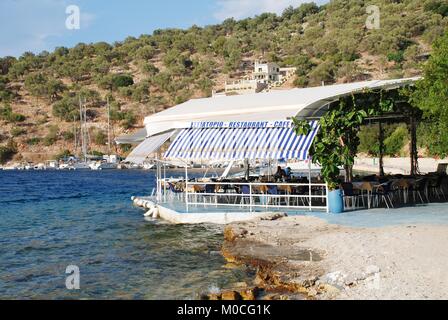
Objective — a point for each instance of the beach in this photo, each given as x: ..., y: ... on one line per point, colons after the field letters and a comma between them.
x: 308, y: 255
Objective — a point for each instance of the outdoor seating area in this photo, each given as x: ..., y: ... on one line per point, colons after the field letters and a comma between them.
x: 394, y: 191
x: 365, y: 192
x: 264, y: 191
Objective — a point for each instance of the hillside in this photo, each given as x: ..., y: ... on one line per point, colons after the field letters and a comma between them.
x: 39, y: 94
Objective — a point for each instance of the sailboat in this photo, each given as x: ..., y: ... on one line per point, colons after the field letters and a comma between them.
x: 109, y: 161
x: 82, y: 164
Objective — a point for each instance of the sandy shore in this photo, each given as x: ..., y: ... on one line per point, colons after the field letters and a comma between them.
x: 308, y: 255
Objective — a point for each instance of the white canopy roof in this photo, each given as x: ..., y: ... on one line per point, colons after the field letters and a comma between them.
x: 278, y: 105
x: 147, y: 147
x: 135, y: 138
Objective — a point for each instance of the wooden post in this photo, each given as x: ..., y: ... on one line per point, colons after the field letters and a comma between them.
x: 413, y: 151
x: 381, y: 141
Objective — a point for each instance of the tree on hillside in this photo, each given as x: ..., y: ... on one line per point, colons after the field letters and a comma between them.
x: 67, y: 109
x: 115, y: 81
x: 54, y: 88
x: 146, y: 53
x: 39, y: 85
x: 8, y: 115
x: 5, y: 64
x: 5, y: 94
x: 7, y: 152
x: 431, y: 95
x: 149, y: 68
x: 324, y: 72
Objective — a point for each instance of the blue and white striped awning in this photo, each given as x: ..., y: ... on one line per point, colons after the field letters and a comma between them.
x: 224, y: 142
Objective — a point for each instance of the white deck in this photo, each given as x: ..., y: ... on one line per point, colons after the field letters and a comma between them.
x: 178, y: 212
x: 213, y: 216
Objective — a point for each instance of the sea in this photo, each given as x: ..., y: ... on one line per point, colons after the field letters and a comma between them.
x: 58, y: 227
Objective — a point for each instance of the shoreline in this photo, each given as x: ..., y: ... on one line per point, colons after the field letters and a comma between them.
x: 308, y: 258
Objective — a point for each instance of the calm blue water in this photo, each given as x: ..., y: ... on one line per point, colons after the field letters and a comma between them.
x: 50, y: 220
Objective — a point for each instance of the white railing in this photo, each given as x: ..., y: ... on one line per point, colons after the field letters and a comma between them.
x: 314, y: 196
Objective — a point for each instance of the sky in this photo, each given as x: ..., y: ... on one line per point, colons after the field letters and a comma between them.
x: 37, y: 25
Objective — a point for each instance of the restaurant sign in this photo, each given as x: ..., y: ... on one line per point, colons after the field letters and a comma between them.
x: 240, y: 124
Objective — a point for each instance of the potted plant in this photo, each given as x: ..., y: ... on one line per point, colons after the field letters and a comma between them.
x: 334, y: 146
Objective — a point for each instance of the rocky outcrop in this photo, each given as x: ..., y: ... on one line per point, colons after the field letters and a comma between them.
x: 283, y: 270
x: 239, y: 291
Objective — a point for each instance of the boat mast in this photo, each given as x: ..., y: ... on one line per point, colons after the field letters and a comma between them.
x: 86, y: 132
x: 108, y: 126
x: 81, y: 133
x: 82, y: 117
x: 75, y: 134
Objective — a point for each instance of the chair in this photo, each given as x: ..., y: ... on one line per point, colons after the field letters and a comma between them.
x: 435, y: 187
x: 302, y: 193
x: 273, y: 191
x: 419, y: 189
x: 197, y: 190
x: 349, y: 194
x: 402, y: 187
x: 287, y: 191
x: 245, y: 194
x: 175, y: 192
x: 366, y: 191
x: 210, y: 193
x: 384, y: 192
x: 262, y: 191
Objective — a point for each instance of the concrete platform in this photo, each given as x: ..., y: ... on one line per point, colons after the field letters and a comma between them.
x: 179, y: 213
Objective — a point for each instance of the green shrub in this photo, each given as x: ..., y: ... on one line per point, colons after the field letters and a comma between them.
x: 33, y: 141
x: 437, y: 6
x: 6, y: 154
x: 52, y: 136
x: 63, y: 155
x: 49, y: 141
x: 126, y: 147
x: 122, y: 80
x: 16, y: 131
x: 125, y: 92
x: 100, y: 138
x: 140, y: 92
x: 301, y: 82
x: 397, y: 57
x: 149, y: 68
x: 368, y: 140
x: 5, y: 94
x: 8, y: 115
x: 395, y: 138
x: 67, y: 109
x: 68, y: 136
x: 396, y: 141
x: 324, y: 72
x: 96, y: 153
x: 128, y: 120
x: 40, y: 85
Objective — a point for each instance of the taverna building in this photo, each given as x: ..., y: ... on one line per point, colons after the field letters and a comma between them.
x: 254, y: 130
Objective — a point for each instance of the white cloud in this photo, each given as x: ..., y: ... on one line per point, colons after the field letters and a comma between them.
x: 245, y: 8
x: 34, y: 25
